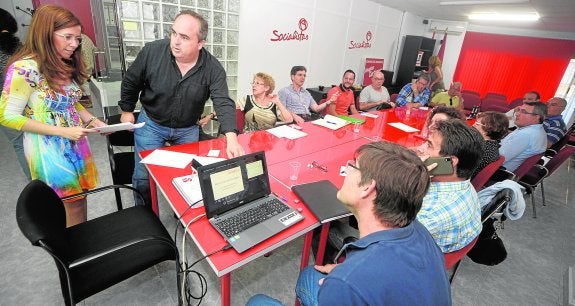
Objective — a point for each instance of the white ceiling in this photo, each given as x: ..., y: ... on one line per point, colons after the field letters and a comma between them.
x: 555, y: 15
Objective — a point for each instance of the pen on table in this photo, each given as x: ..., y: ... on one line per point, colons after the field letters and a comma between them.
x: 89, y: 122
x: 330, y: 122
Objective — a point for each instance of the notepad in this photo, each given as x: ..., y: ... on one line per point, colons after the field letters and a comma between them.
x: 285, y: 131
x: 189, y: 188
x: 321, y: 198
x: 331, y: 122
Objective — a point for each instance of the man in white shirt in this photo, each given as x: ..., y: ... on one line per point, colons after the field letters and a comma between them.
x: 374, y: 95
x: 528, y: 139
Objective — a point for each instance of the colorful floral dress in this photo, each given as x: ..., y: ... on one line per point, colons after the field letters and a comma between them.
x: 65, y: 165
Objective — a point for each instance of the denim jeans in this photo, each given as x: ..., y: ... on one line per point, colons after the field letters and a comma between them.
x: 152, y: 136
x: 307, y: 289
x: 16, y: 139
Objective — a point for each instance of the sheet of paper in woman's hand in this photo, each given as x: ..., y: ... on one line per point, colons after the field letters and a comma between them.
x: 118, y: 127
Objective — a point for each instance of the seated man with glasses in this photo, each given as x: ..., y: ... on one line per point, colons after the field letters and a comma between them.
x: 451, y: 98
x: 554, y: 124
x: 375, y: 95
x: 415, y: 94
x: 395, y: 261
x: 451, y: 210
x: 528, y: 139
x: 530, y: 96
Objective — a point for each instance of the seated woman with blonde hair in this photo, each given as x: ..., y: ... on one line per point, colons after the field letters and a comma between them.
x: 262, y: 109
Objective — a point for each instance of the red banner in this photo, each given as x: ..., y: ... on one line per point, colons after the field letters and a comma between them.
x: 371, y: 65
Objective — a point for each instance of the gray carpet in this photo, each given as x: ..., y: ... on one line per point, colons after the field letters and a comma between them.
x: 539, y: 252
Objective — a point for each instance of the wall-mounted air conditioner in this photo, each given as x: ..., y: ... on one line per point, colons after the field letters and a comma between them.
x: 452, y: 27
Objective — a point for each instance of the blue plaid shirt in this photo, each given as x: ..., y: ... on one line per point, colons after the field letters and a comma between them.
x: 452, y: 214
x: 406, y: 95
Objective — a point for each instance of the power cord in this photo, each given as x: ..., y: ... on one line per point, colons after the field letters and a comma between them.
x: 184, y: 270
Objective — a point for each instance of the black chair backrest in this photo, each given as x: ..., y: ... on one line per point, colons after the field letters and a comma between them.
x: 120, y: 138
x: 41, y: 215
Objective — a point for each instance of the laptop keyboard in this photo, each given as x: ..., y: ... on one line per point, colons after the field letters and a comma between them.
x: 251, y: 217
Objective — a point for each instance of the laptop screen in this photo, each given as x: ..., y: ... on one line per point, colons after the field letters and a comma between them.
x: 234, y: 182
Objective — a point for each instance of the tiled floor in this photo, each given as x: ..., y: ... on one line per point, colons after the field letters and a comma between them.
x: 539, y: 252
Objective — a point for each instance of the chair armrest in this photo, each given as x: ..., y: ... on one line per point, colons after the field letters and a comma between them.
x: 499, y: 201
x: 100, y: 189
x: 502, y: 174
x: 112, y: 249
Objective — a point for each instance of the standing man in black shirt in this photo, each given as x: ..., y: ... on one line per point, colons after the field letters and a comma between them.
x: 173, y: 79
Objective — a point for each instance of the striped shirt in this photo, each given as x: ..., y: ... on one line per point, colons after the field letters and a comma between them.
x: 555, y: 128
x: 452, y: 214
x: 297, y: 102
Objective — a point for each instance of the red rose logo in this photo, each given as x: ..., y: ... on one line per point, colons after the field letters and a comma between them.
x: 303, y: 24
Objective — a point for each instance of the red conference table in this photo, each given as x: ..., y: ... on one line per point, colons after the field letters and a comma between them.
x: 328, y: 147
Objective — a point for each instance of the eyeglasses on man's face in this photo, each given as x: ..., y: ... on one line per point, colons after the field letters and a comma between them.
x: 525, y: 112
x: 69, y: 38
x: 351, y: 164
x: 422, y: 83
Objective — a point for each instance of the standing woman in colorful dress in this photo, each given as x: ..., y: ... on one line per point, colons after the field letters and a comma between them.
x: 42, y: 82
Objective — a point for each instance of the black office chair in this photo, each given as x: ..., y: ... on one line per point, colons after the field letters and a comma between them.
x: 96, y: 254
x: 120, y: 154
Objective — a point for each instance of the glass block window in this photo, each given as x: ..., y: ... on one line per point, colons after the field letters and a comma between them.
x: 144, y: 21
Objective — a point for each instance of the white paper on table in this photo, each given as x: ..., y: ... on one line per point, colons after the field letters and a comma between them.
x: 168, y: 159
x: 403, y: 127
x: 214, y: 153
x: 287, y: 132
x: 118, y: 127
x: 331, y: 122
x: 369, y: 115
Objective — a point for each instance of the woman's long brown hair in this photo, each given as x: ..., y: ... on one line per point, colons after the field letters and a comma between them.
x: 39, y: 45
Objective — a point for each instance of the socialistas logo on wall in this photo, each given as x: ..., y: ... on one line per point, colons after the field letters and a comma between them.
x: 296, y: 35
x: 364, y: 44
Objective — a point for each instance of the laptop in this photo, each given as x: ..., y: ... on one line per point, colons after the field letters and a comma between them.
x: 239, y: 203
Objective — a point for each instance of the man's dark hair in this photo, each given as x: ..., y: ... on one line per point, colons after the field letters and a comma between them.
x: 540, y: 109
x: 401, y: 181
x: 203, y: 33
x: 349, y: 70
x: 461, y: 141
x: 536, y: 94
x: 451, y: 112
x: 295, y: 69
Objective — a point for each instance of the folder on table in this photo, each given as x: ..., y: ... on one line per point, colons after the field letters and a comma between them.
x: 321, y: 198
x: 351, y: 119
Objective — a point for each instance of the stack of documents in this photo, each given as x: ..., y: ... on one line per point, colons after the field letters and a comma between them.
x: 331, y: 122
x: 189, y: 188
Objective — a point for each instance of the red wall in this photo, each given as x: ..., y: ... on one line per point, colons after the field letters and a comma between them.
x: 512, y: 65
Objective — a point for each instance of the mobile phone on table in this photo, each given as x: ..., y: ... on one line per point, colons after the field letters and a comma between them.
x: 444, y: 165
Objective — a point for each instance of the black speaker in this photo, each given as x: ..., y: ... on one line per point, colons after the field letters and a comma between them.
x: 425, y: 21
